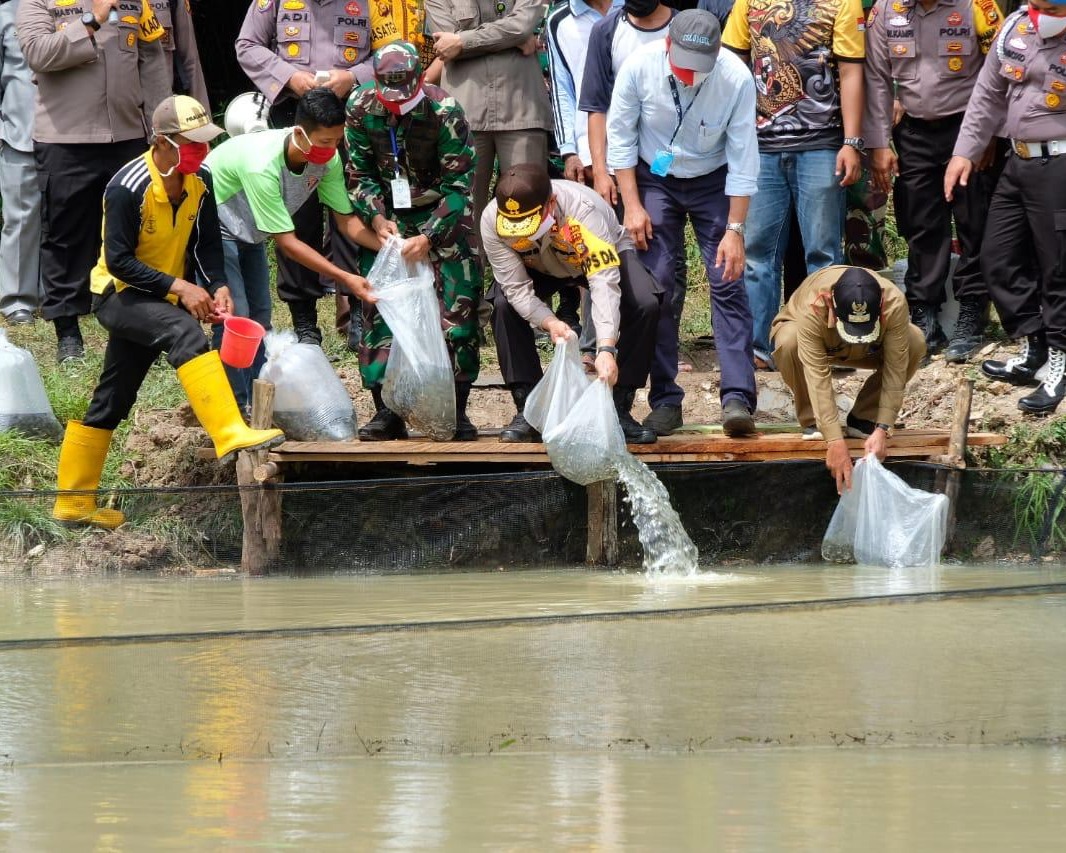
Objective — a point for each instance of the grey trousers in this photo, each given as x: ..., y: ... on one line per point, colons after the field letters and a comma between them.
x: 20, y: 240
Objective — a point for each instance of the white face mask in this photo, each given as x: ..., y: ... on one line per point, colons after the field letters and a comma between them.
x: 1048, y: 26
x: 545, y: 226
x: 407, y: 106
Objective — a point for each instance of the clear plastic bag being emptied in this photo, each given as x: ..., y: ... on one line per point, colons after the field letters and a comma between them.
x: 588, y: 446
x: 310, y: 401
x: 419, y: 384
x: 884, y: 522
x: 558, y: 391
x: 24, y: 405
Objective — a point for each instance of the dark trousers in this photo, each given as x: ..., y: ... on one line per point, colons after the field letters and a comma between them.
x: 640, y: 309
x: 142, y: 326
x: 924, y: 148
x: 669, y: 202
x: 1024, y: 255
x: 72, y: 179
x: 296, y: 283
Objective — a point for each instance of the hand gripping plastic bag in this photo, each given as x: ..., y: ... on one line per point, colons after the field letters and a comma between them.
x: 310, y: 401
x: 419, y: 384
x: 588, y: 445
x: 24, y: 405
x: 558, y: 391
x: 884, y: 522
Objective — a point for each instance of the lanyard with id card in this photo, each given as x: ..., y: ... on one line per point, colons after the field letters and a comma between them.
x: 401, y: 187
x: 664, y: 158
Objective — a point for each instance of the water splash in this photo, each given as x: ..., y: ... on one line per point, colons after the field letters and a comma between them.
x: 668, y: 550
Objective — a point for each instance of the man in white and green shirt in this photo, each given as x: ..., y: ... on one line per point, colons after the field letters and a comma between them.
x: 261, y: 180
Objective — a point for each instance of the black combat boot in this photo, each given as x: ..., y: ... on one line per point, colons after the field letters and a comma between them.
x: 305, y: 321
x: 1022, y: 368
x: 519, y: 430
x: 464, y: 429
x: 634, y: 432
x: 1045, y: 399
x: 386, y: 425
x: 969, y: 330
x: 69, y: 344
x: 923, y: 315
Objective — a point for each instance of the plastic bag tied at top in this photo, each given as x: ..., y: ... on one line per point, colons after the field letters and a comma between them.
x: 419, y: 383
x: 310, y: 401
x: 24, y: 405
x: 882, y: 521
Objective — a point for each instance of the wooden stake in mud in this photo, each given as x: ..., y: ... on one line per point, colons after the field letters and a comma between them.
x: 602, y: 546
x: 260, y: 507
x: 949, y: 482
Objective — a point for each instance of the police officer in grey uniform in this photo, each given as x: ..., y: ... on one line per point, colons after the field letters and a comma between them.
x: 20, y: 240
x: 1021, y: 93
x: 287, y: 47
x: 928, y: 53
x: 97, y: 85
x: 182, y: 54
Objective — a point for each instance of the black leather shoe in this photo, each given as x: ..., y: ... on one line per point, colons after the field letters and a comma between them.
x: 1045, y: 399
x: 663, y: 420
x: 969, y: 330
x: 923, y: 316
x: 70, y: 348
x: 1022, y: 368
x: 464, y: 429
x: 635, y: 433
x: 305, y: 322
x: 859, y: 427
x: 737, y: 421
x: 386, y: 425
x: 21, y: 317
x: 519, y: 430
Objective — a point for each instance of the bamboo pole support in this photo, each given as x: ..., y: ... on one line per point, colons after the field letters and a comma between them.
x: 260, y: 507
x: 602, y: 547
x: 949, y: 482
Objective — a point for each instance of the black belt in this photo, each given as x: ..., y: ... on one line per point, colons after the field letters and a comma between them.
x: 953, y: 120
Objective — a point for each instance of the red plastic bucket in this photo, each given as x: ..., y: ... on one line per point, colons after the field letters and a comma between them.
x: 241, y: 337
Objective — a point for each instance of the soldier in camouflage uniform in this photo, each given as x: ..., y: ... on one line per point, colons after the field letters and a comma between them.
x: 409, y: 138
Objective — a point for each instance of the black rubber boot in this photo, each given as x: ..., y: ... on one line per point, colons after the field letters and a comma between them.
x: 969, y: 330
x: 1022, y: 368
x: 305, y: 321
x: 69, y: 343
x: 464, y: 429
x: 519, y: 430
x: 386, y: 425
x: 1045, y: 399
x: 923, y: 316
x: 634, y: 432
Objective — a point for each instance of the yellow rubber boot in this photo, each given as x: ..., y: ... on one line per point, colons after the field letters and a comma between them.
x: 206, y: 386
x: 81, y: 460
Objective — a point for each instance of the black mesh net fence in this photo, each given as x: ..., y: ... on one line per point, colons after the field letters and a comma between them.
x: 735, y: 513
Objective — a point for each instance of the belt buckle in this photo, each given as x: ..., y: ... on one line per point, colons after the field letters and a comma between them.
x: 1021, y: 149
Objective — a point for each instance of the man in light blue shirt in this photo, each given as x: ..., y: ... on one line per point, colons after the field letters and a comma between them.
x: 681, y: 131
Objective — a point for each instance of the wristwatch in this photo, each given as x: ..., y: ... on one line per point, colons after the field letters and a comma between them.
x: 856, y: 142
x: 612, y: 350
x: 885, y: 427
x: 736, y: 226
x: 89, y: 19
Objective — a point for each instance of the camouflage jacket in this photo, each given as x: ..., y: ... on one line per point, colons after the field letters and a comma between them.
x: 434, y: 151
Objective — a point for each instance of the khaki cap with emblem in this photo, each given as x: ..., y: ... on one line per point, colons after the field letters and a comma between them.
x: 180, y: 114
x: 857, y: 303
x: 521, y: 193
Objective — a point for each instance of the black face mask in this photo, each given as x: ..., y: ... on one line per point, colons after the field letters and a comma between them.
x: 641, y: 8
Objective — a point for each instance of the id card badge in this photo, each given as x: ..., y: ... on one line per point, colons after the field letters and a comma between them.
x: 401, y: 193
x: 661, y: 164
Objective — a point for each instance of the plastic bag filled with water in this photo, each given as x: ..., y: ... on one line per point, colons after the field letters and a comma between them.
x: 310, y: 401
x: 884, y: 522
x: 419, y: 384
x: 558, y: 391
x: 588, y: 446
x: 24, y: 405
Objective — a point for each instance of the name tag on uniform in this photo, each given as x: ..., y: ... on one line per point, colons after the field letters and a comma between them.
x: 401, y: 193
x: 661, y: 164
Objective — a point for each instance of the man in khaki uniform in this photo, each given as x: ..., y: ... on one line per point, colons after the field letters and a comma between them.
x: 848, y: 316
x: 928, y: 53
x: 182, y: 54
x: 491, y: 69
x: 1021, y: 94
x: 97, y: 85
x: 287, y: 47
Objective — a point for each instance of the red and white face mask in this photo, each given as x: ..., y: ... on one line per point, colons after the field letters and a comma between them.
x: 402, y: 108
x: 688, y: 77
x: 1047, y: 26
